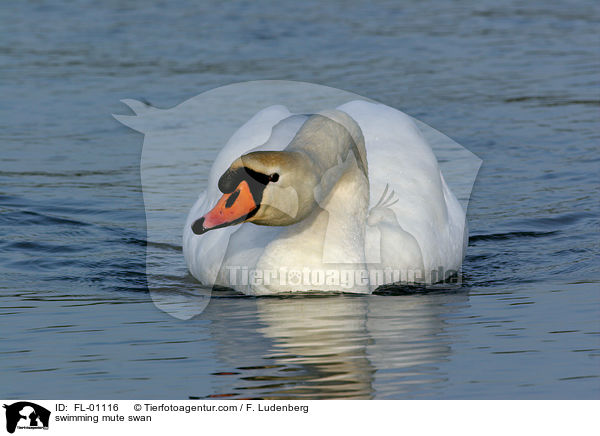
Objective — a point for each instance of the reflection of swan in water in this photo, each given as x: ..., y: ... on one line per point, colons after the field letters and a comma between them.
x: 409, y: 344
x: 332, y: 346
x: 324, y: 337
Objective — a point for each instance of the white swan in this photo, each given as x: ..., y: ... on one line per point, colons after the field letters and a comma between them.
x: 303, y: 203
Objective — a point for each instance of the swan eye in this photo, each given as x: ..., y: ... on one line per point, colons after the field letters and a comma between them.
x: 274, y: 177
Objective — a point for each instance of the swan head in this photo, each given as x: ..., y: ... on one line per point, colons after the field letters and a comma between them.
x: 272, y: 188
x: 281, y: 188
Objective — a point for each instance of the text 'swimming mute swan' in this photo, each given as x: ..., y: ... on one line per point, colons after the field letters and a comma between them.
x: 342, y: 200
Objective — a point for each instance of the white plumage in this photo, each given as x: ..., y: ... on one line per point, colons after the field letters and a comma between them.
x: 420, y: 229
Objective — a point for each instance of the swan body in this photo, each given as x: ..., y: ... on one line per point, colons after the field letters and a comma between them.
x: 342, y: 200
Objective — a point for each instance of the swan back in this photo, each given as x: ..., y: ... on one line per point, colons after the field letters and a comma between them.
x: 426, y: 210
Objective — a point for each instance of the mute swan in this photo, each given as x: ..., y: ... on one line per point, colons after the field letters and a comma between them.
x: 342, y: 200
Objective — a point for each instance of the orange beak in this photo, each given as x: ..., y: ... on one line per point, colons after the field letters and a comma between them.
x: 231, y: 209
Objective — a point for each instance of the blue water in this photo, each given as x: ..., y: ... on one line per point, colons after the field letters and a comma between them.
x: 517, y: 84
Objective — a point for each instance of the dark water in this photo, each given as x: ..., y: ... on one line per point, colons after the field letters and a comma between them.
x: 517, y: 84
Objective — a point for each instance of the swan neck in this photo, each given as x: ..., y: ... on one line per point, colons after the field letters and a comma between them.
x: 331, y: 137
